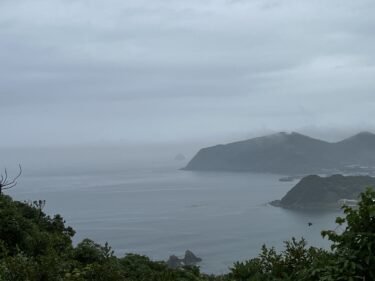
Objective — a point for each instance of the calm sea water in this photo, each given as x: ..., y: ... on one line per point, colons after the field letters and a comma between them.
x: 221, y: 217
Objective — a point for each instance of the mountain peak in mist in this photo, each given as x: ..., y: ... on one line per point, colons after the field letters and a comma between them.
x: 363, y: 141
x: 363, y: 135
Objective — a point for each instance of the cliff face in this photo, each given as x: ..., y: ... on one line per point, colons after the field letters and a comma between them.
x: 286, y: 153
x: 314, y: 192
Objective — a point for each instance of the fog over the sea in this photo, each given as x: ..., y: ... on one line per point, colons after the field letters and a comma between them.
x: 163, y: 71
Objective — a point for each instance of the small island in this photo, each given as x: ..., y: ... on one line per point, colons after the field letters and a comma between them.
x: 190, y: 259
x: 316, y: 192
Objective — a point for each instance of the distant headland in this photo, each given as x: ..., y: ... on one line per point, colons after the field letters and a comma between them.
x: 315, y: 192
x: 290, y: 154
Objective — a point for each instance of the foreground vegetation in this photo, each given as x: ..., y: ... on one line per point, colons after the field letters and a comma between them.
x: 34, y: 246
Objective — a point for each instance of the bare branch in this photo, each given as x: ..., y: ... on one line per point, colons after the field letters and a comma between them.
x: 8, y: 184
x: 5, y: 183
x: 6, y: 175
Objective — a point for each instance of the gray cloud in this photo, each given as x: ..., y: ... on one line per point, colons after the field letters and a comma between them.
x: 163, y: 70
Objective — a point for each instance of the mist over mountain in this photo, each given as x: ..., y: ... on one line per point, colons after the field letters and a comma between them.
x: 290, y: 153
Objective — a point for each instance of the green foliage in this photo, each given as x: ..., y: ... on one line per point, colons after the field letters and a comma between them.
x: 354, y: 249
x: 291, y: 264
x: 36, y: 247
x: 88, y: 252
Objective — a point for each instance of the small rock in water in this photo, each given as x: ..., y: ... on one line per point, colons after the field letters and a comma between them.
x: 180, y: 157
x: 174, y: 262
x: 189, y: 260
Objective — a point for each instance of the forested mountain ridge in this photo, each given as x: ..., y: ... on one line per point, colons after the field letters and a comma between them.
x: 287, y: 153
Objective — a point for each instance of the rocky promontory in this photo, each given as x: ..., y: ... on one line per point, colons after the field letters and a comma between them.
x: 315, y: 192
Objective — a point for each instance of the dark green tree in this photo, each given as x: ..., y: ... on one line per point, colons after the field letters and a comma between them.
x: 354, y: 249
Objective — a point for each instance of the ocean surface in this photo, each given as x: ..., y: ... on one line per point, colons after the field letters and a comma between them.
x: 221, y: 217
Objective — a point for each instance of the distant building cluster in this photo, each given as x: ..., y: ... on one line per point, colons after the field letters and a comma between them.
x: 348, y: 202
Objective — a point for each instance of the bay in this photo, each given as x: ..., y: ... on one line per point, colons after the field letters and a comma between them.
x: 221, y: 217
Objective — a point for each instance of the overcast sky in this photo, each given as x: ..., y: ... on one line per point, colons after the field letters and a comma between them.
x: 76, y: 71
